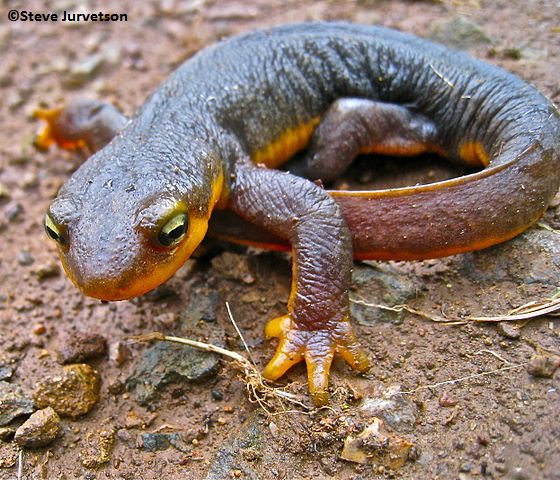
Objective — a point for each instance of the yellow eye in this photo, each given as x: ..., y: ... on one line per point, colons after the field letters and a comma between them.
x: 173, y: 231
x: 53, y: 230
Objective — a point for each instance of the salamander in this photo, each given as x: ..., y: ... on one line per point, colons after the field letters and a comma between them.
x: 203, y: 154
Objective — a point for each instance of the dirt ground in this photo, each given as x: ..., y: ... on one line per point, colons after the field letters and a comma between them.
x: 462, y: 395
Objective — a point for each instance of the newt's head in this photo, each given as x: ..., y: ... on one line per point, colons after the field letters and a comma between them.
x: 130, y: 216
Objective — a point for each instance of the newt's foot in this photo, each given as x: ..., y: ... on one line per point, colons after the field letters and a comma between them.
x: 82, y: 123
x: 317, y: 348
x: 51, y: 132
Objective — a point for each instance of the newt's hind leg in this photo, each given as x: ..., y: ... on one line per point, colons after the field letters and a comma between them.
x: 82, y: 123
x: 354, y: 126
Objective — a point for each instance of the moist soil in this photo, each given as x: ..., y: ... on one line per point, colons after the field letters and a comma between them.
x: 466, y: 395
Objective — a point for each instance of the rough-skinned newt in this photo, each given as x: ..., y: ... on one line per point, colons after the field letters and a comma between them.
x: 135, y: 211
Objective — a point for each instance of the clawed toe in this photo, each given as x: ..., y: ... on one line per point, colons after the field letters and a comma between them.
x: 317, y: 348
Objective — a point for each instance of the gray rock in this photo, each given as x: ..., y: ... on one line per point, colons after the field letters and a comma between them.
x: 531, y: 258
x: 202, y: 306
x: 25, y: 258
x: 12, y: 211
x: 13, y: 403
x: 384, y: 286
x: 6, y: 372
x: 153, y: 442
x: 397, y: 410
x: 39, y: 430
x: 458, y: 32
x: 230, y: 456
x: 163, y: 364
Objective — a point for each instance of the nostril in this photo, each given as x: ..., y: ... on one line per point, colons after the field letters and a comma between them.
x: 94, y: 111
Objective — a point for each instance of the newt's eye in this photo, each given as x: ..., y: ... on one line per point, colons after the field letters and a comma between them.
x: 173, y: 231
x: 53, y: 230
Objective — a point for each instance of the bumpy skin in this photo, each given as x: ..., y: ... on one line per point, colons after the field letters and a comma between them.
x: 258, y: 99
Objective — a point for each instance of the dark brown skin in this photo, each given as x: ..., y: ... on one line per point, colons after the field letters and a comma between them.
x: 137, y: 209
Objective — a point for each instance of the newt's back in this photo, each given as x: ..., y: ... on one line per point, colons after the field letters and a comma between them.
x: 262, y: 84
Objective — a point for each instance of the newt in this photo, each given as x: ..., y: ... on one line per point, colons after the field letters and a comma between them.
x: 202, y: 155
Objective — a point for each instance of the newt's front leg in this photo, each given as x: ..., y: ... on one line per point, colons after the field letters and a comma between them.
x: 81, y: 123
x: 317, y: 325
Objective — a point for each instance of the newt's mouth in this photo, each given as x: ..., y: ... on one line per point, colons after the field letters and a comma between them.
x: 113, y: 278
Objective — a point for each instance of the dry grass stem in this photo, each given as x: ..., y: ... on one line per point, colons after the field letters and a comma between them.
x: 20, y: 466
x: 544, y: 226
x: 533, y: 309
x: 461, y: 379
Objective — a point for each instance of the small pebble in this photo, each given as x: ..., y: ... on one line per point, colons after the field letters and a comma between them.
x: 39, y: 329
x: 133, y: 420
x: 30, y: 181
x: 25, y: 258
x: 115, y: 387
x: 12, y: 211
x: 509, y: 330
x: 98, y: 448
x: 72, y: 393
x: 459, y: 32
x: 39, y: 430
x: 13, y: 403
x: 119, y: 353
x: 79, y: 346
x: 234, y: 266
x: 274, y: 430
x: 446, y: 400
x: 375, y: 446
x: 543, y: 365
x: 83, y: 71
x: 6, y: 372
x: 217, y: 395
x: 163, y: 292
x: 45, y: 271
x: 153, y: 442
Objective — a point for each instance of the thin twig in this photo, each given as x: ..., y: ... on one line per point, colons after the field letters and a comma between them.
x: 544, y: 226
x: 20, y: 465
x: 232, y: 320
x: 529, y: 310
x: 207, y: 347
x: 461, y: 379
x: 407, y: 308
x: 494, y: 354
